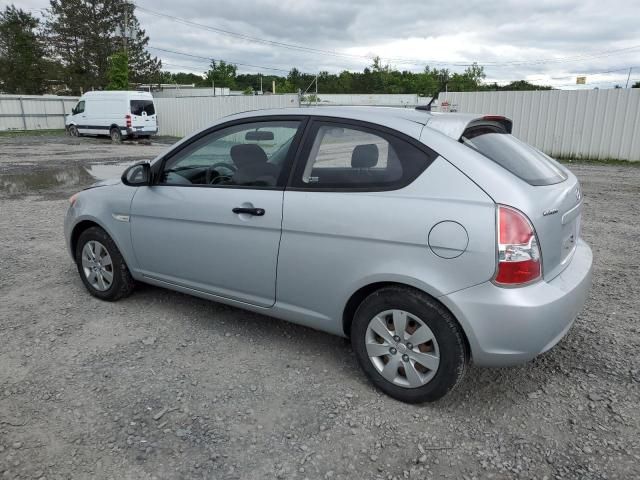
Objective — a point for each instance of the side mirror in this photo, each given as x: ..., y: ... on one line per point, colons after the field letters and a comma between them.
x: 259, y: 135
x: 137, y: 175
x: 73, y: 111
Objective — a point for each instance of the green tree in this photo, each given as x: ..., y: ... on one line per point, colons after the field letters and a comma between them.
x: 84, y: 34
x: 118, y: 72
x: 636, y: 85
x: 221, y: 74
x: 22, y: 63
x: 516, y: 85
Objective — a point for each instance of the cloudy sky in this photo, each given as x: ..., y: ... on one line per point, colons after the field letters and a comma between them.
x: 543, y: 41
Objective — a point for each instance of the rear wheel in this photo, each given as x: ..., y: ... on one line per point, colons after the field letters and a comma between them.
x: 116, y: 135
x: 408, y: 345
x: 101, y: 265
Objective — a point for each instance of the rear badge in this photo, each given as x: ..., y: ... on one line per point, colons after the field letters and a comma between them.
x: 549, y: 212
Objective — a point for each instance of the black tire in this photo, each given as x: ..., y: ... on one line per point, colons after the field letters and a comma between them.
x: 122, y: 284
x: 116, y: 135
x: 73, y: 131
x: 454, y: 355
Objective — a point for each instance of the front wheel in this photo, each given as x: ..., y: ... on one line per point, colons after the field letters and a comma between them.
x: 408, y: 345
x: 101, y: 265
x: 73, y: 131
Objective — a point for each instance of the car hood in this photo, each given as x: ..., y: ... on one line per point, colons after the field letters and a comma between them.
x: 105, y: 183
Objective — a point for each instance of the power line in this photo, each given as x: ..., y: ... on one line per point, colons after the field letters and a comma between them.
x: 247, y: 37
x: 600, y: 54
x: 209, y: 59
x: 193, y: 69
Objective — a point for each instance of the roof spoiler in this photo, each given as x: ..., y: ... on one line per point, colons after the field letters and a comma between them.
x: 507, y: 123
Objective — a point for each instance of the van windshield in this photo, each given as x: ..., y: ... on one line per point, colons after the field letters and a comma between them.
x: 521, y: 159
x: 139, y: 106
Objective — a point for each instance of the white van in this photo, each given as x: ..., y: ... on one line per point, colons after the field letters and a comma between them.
x: 119, y: 114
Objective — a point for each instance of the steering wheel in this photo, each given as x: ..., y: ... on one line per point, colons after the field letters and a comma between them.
x: 219, y: 178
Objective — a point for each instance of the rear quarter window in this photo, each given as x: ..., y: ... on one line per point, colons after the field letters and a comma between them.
x: 516, y: 156
x: 356, y: 156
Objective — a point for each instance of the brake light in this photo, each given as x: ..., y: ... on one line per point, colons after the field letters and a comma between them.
x: 495, y: 118
x: 519, y: 260
x: 127, y: 119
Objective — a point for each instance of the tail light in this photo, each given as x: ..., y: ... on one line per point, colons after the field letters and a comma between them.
x: 127, y: 119
x: 519, y: 259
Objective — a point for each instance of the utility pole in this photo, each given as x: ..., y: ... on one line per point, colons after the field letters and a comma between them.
x: 316, y: 89
x: 125, y: 27
x: 628, y: 77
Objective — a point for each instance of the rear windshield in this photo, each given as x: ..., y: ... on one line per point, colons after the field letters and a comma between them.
x: 521, y: 159
x: 139, y: 106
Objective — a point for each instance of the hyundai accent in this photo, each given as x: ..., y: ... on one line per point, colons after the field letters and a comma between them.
x: 429, y: 239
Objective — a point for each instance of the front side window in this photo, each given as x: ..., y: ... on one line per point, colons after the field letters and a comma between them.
x: 251, y: 154
x: 79, y: 107
x: 140, y: 107
x: 349, y: 156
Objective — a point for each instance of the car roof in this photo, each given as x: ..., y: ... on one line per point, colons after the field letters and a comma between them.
x: 451, y: 124
x: 117, y: 93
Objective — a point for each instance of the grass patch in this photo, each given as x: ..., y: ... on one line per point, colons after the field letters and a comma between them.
x: 31, y: 133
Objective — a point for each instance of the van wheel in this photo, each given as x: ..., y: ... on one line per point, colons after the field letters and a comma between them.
x: 73, y: 131
x: 116, y: 135
x: 408, y: 345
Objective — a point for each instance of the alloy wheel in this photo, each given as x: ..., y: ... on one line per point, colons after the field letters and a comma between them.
x: 97, y: 265
x: 402, y: 348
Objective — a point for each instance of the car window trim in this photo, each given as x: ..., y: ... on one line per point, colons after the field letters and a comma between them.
x: 287, y: 165
x: 304, y: 149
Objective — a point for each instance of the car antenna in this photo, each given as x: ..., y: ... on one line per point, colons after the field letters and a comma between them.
x: 427, y: 107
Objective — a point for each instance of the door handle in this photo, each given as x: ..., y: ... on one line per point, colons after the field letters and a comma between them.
x: 258, y: 212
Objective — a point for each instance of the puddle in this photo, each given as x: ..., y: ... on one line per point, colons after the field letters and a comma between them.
x: 79, y: 176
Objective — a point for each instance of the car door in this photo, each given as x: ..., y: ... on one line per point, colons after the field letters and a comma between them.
x: 345, y: 219
x: 80, y: 117
x: 211, y: 221
x: 143, y: 115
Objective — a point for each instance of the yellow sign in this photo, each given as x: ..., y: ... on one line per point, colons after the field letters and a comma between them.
x: 581, y: 80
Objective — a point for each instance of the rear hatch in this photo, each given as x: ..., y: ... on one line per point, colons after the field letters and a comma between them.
x: 143, y: 115
x: 555, y: 198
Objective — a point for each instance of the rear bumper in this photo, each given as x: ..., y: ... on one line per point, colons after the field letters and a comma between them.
x: 507, y: 326
x: 134, y: 132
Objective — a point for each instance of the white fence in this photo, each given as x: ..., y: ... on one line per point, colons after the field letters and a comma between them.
x: 181, y: 116
x: 192, y: 92
x: 595, y: 124
x: 378, y: 99
x: 34, y: 112
x: 599, y: 124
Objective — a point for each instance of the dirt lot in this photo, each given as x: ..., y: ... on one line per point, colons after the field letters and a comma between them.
x: 162, y: 385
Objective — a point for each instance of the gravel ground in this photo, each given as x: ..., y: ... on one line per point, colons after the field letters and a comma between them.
x: 166, y: 386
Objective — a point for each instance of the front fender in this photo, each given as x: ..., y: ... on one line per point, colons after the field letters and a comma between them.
x: 108, y: 207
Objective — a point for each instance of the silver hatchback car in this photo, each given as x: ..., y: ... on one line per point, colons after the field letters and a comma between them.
x: 428, y: 239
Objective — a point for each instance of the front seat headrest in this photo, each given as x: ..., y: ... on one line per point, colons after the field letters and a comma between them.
x: 248, y: 154
x: 365, y: 156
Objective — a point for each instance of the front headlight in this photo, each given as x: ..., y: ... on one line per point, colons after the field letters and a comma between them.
x: 73, y: 198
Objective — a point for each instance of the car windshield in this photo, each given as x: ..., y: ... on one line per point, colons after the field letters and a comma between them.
x: 139, y: 106
x: 521, y: 159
